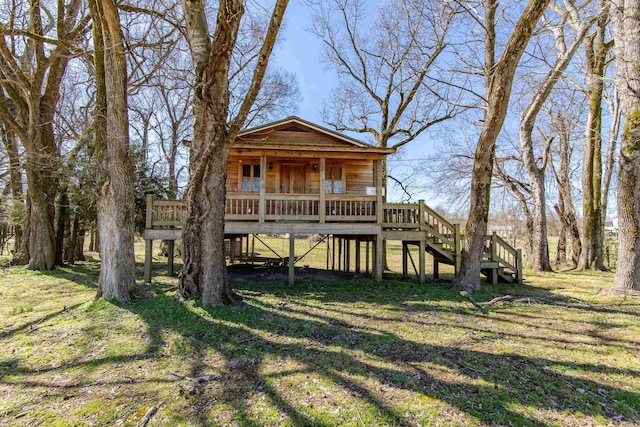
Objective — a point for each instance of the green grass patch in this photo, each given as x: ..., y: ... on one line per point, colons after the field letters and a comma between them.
x: 320, y: 352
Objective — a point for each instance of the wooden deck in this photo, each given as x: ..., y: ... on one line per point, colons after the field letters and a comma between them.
x: 344, y: 215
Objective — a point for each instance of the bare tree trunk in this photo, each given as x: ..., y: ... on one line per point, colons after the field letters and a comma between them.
x: 15, y: 179
x: 596, y: 57
x: 42, y: 182
x: 70, y: 254
x: 62, y: 222
x: 540, y: 246
x: 116, y: 210
x: 626, y: 21
x: 540, y: 255
x: 500, y: 80
x: 613, y: 102
x: 80, y: 238
x: 204, y: 273
x: 561, y: 249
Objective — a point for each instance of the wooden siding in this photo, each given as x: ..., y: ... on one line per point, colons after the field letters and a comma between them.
x: 357, y: 174
x: 302, y: 137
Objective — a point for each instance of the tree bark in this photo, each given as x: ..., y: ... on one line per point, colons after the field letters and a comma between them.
x: 499, y: 92
x: 15, y: 180
x: 540, y: 254
x: 596, y: 57
x: 561, y: 248
x: 626, y: 21
x: 116, y: 211
x: 62, y: 223
x: 204, y: 273
x: 565, y: 208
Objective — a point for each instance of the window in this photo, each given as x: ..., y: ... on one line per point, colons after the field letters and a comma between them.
x: 250, y: 177
x: 333, y: 180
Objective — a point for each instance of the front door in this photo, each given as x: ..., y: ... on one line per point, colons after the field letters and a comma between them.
x: 293, y: 179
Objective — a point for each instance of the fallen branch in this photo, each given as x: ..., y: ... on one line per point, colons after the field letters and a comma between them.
x: 147, y: 416
x: 499, y: 299
x: 469, y: 298
x: 506, y: 298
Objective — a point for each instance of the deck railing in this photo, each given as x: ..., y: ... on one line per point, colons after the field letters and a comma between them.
x: 502, y: 252
x: 341, y: 208
x: 277, y: 207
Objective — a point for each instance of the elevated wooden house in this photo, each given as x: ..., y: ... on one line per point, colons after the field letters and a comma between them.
x: 295, y: 177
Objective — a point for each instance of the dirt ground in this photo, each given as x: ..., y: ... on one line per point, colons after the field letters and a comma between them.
x: 238, y: 272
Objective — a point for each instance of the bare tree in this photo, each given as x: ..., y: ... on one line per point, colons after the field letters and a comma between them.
x: 613, y: 103
x: 563, y: 124
x: 388, y: 70
x: 536, y: 172
x: 204, y: 273
x: 626, y: 21
x: 34, y: 55
x: 499, y: 77
x: 596, y: 50
x: 115, y: 166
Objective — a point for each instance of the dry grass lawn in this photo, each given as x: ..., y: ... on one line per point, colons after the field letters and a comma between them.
x: 321, y: 352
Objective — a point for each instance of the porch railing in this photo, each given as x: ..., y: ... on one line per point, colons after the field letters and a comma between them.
x: 277, y: 207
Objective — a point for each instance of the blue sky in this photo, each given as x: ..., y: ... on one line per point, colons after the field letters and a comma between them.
x: 299, y: 52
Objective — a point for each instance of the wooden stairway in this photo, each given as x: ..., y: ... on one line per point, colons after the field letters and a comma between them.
x: 418, y: 223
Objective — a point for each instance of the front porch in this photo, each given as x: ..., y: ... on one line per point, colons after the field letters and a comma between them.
x: 352, y: 218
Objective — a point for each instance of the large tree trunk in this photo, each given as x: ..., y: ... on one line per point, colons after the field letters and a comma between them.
x: 116, y: 211
x: 500, y: 80
x: 626, y: 20
x: 596, y: 56
x: 540, y: 253
x: 42, y: 182
x: 204, y: 273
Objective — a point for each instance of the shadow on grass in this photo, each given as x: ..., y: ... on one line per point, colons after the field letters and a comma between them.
x: 370, y: 364
x: 249, y: 334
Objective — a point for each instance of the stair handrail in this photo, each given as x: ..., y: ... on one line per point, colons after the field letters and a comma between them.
x: 514, y: 261
x: 432, y: 226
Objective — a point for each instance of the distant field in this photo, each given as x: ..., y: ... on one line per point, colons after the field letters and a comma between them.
x: 322, y: 353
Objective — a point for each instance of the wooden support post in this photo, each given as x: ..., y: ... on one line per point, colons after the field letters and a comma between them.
x: 421, y: 259
x: 262, y: 204
x: 366, y: 262
x: 328, y: 252
x: 333, y: 252
x: 436, y: 269
x: 457, y: 241
x: 340, y: 262
x: 322, y: 204
x: 519, y: 267
x: 358, y: 242
x: 170, y: 255
x: 148, y: 259
x: 379, y: 264
x: 148, y: 244
x: 379, y: 183
x: 405, y: 261
x: 292, y: 257
x: 421, y: 219
x: 347, y: 255
x: 493, y: 275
